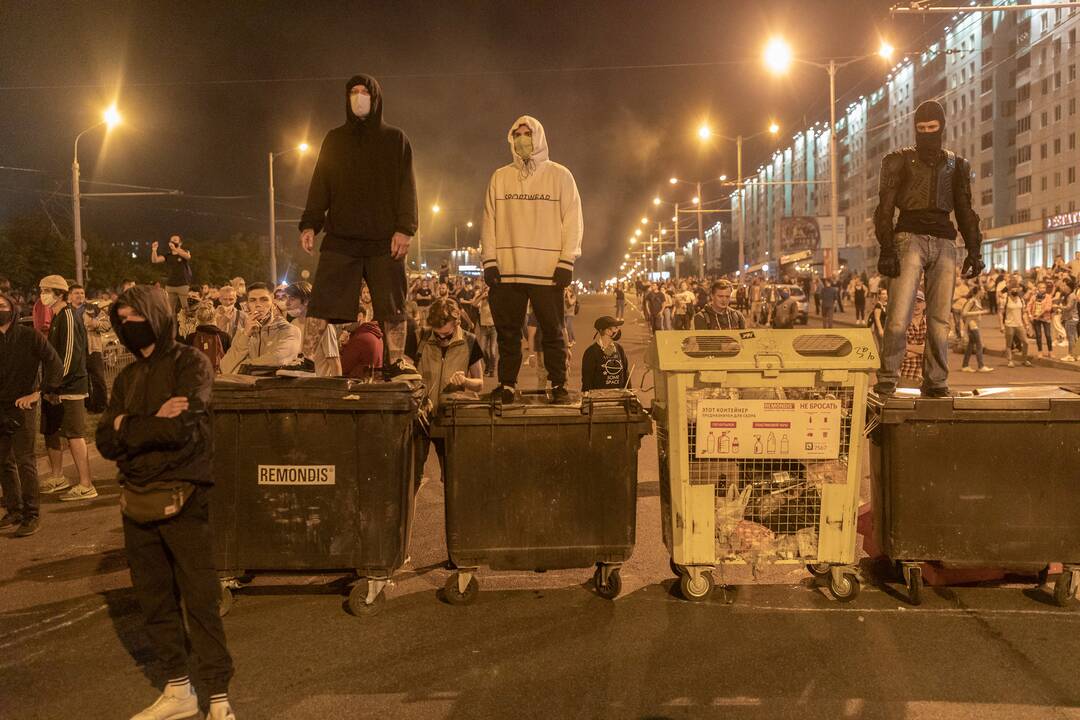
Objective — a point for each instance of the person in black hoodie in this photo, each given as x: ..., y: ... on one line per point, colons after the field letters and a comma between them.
x: 363, y: 194
x: 157, y: 430
x: 23, y: 354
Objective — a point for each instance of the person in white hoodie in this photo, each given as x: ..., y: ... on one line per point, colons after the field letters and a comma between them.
x: 529, y: 240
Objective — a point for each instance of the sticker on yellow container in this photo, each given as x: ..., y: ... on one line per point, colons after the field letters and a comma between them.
x: 768, y: 429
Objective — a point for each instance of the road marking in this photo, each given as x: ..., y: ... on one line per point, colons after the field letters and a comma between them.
x: 52, y: 628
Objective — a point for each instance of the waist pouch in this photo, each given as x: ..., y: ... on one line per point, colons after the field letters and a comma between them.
x: 155, y: 500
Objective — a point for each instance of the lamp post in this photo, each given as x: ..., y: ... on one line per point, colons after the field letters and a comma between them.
x: 301, y: 148
x: 110, y: 119
x: 778, y: 58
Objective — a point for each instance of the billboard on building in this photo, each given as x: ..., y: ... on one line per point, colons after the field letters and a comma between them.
x: 809, y: 233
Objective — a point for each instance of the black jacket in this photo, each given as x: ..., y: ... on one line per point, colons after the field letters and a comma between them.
x: 925, y: 195
x: 147, y: 447
x: 67, y: 335
x: 23, y: 351
x: 363, y: 189
x: 600, y: 371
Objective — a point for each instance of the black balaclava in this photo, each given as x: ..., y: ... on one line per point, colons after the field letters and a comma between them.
x: 929, y: 144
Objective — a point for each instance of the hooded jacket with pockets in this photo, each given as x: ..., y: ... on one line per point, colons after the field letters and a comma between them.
x: 363, y: 189
x: 148, y: 448
x: 25, y: 355
x: 532, y: 215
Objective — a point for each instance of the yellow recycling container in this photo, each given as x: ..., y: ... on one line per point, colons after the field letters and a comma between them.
x: 759, y: 434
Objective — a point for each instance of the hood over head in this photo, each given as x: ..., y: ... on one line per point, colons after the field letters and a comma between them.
x: 374, y: 118
x: 540, y: 144
x: 153, y: 304
x: 15, y: 307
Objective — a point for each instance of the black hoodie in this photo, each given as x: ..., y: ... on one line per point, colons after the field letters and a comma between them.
x: 146, y: 447
x: 363, y: 189
x: 23, y: 353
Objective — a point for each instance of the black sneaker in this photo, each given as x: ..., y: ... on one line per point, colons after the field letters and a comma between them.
x: 504, y: 394
x: 883, y: 389
x: 28, y: 527
x: 304, y: 368
x: 560, y: 395
x: 401, y: 370
x: 10, y: 520
x: 936, y: 393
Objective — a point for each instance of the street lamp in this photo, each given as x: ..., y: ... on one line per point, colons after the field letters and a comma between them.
x: 110, y: 118
x: 436, y: 209
x: 778, y: 58
x: 704, y: 132
x: 302, y: 148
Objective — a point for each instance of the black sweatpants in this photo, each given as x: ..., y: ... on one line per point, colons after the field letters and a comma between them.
x: 508, y: 303
x: 171, y: 560
x: 99, y: 390
x: 18, y: 466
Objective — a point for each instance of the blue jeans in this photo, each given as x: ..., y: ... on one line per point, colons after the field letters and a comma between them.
x: 935, y: 258
x: 1070, y: 333
x: 974, y: 345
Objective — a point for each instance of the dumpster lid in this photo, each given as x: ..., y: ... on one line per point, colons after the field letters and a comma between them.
x: 1047, y: 402
x: 763, y: 348
x: 241, y: 392
x: 535, y: 406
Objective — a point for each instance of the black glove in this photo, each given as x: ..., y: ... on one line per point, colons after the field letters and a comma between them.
x: 491, y: 275
x: 888, y: 263
x: 973, y: 265
x: 562, y: 277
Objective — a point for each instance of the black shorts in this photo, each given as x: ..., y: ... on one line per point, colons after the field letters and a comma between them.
x: 335, y: 295
x: 65, y: 419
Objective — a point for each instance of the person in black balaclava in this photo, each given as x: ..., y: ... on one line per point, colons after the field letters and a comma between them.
x: 926, y: 183
x: 363, y: 194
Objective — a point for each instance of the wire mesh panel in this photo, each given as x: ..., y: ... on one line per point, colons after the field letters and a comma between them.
x: 116, y: 358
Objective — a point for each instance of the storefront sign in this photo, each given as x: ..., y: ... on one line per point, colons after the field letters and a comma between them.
x: 1064, y: 220
x: 768, y: 429
x: 296, y: 474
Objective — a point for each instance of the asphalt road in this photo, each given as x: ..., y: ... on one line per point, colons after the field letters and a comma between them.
x: 540, y: 645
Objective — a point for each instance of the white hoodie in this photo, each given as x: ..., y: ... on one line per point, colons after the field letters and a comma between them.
x: 532, y: 215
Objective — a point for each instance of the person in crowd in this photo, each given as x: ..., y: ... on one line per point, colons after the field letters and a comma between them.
x: 186, y: 320
x: 485, y: 328
x: 911, y: 369
x: 326, y: 361
x: 973, y: 310
x: 208, y: 338
x: 266, y: 338
x: 157, y: 430
x: 654, y: 307
x: 754, y: 297
x: 686, y: 306
x: 1014, y: 321
x: 64, y: 410
x: 24, y: 357
x: 570, y: 309
x: 43, y: 316
x: 228, y: 316
x: 97, y: 325
x: 786, y: 310
x: 877, y: 316
x: 1070, y: 318
x: 529, y: 240
x: 451, y: 360
x: 829, y: 297
x: 178, y: 268
x: 363, y: 193
x: 858, y: 299
x: 240, y: 286
x: 362, y: 349
x: 620, y: 301
x: 1041, y: 311
x: 718, y: 314
x: 921, y: 243
x: 424, y: 297
x: 604, y: 365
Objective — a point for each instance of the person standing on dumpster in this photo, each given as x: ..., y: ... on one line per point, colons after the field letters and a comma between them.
x: 529, y: 240
x: 157, y: 430
x: 926, y: 183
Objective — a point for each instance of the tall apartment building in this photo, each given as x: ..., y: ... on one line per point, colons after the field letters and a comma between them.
x: 1008, y: 82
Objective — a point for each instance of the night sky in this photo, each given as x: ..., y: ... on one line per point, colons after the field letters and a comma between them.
x: 207, y: 89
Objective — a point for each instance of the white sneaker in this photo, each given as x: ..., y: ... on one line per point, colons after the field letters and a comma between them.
x: 1012, y: 364
x: 966, y: 369
x: 174, y: 704
x: 1069, y: 358
x: 986, y: 368
x: 220, y: 711
x: 79, y: 492
x: 53, y: 484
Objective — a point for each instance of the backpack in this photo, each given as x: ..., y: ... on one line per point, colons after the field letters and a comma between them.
x: 209, y: 344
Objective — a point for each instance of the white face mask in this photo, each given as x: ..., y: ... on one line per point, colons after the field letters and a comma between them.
x: 361, y: 104
x: 48, y: 299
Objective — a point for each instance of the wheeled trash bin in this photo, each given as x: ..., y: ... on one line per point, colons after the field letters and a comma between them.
x: 312, y: 475
x: 987, y: 479
x: 536, y: 486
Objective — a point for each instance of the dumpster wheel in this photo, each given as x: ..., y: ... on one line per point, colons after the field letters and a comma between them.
x: 696, y: 584
x: 818, y: 570
x: 676, y: 570
x: 1065, y: 587
x: 844, y: 586
x: 367, y: 597
x: 610, y: 589
x: 455, y: 594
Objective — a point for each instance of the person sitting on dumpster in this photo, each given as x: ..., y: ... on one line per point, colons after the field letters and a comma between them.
x: 604, y: 365
x: 451, y: 360
x: 718, y: 314
x: 265, y: 338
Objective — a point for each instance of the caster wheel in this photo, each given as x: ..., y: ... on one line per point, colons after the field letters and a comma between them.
x: 696, y: 590
x: 245, y: 579
x: 915, y: 585
x: 1065, y: 590
x: 358, y: 604
x: 676, y: 570
x: 846, y: 588
x: 453, y: 594
x: 819, y: 570
x: 226, y: 602
x: 614, y: 583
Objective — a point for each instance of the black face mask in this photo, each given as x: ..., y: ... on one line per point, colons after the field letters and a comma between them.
x: 137, y: 335
x: 5, y: 317
x: 616, y: 335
